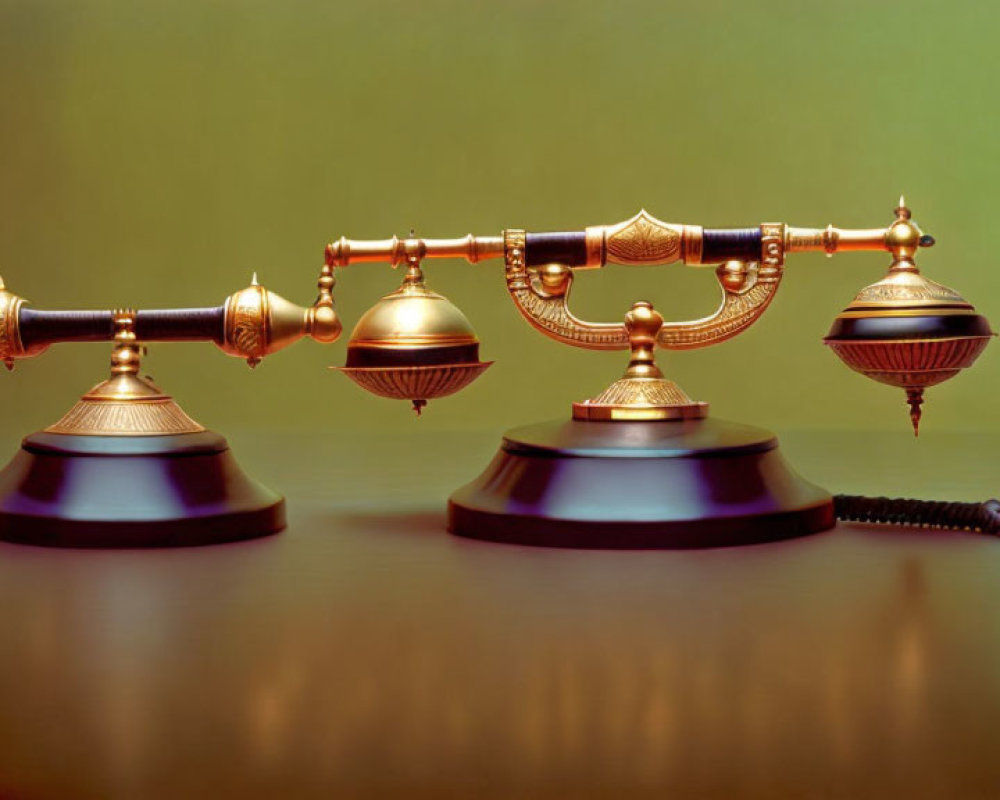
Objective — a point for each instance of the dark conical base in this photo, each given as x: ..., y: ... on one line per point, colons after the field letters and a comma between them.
x: 670, y: 484
x: 132, y: 491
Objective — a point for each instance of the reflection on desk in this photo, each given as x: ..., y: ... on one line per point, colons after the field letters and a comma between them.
x: 367, y: 653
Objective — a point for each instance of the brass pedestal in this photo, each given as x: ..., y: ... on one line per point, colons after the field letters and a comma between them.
x: 647, y: 484
x: 126, y: 467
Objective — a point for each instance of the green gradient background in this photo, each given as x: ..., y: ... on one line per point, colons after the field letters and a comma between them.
x: 155, y: 154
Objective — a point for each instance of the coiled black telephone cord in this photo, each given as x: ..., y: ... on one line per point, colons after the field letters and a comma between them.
x: 980, y: 517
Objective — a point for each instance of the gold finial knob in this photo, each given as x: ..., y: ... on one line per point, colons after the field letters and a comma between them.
x: 643, y: 323
x: 903, y: 239
x: 902, y: 212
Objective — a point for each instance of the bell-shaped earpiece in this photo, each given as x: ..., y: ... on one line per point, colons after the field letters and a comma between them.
x: 906, y: 330
x: 413, y: 344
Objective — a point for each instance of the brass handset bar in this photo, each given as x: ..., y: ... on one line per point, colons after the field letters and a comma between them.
x: 252, y: 323
x: 255, y: 322
x: 642, y: 240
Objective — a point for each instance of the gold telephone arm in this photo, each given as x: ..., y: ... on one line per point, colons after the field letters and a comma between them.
x: 541, y: 295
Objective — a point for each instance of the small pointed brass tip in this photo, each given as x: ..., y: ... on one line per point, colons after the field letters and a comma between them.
x: 253, y: 362
x: 253, y: 280
x: 9, y: 363
x: 902, y: 212
x: 418, y: 406
x: 915, y: 398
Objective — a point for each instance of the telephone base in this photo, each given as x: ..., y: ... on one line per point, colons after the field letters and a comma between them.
x: 64, y: 490
x: 630, y: 485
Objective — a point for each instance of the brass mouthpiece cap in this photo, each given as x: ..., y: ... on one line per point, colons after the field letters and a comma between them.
x: 908, y: 331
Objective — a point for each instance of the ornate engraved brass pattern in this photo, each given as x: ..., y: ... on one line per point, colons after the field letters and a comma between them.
x: 909, y: 364
x: 641, y: 399
x: 125, y: 418
x: 548, y: 311
x: 924, y: 291
x: 912, y: 365
x: 639, y: 391
x: 894, y: 294
x: 772, y: 247
x: 552, y: 317
x: 247, y: 318
x: 259, y: 322
x: 513, y: 253
x: 418, y: 382
x: 738, y: 311
x: 642, y: 240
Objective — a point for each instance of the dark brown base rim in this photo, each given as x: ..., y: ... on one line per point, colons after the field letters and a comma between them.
x: 667, y: 535
x: 183, y: 532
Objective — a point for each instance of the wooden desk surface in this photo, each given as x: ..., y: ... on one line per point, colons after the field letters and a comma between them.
x: 366, y: 653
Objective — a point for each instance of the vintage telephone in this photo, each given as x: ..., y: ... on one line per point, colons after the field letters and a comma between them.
x: 639, y: 465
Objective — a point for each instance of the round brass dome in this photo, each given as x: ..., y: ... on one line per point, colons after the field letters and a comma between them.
x: 411, y: 326
x: 413, y: 344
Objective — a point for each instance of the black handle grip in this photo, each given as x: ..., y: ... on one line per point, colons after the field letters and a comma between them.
x: 181, y: 324
x: 46, y: 327
x: 555, y: 248
x: 156, y: 325
x: 730, y: 244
